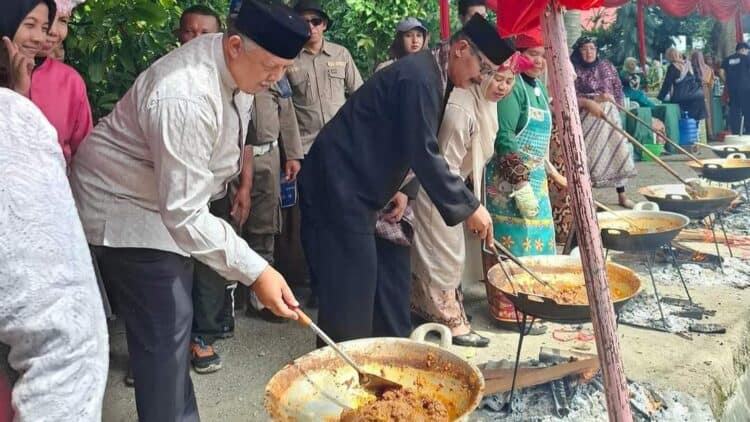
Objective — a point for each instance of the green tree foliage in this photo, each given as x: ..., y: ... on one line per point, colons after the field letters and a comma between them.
x: 621, y: 39
x: 367, y: 27
x: 112, y: 41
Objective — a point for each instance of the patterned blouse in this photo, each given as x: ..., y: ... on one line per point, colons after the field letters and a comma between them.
x: 600, y: 78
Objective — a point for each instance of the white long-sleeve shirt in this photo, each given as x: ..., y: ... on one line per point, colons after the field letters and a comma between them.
x: 146, y: 174
x: 51, y: 312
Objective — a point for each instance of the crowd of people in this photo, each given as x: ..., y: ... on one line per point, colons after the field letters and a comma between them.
x: 255, y: 143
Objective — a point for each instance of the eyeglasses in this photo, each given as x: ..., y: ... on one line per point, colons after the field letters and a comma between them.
x: 315, y: 21
x: 485, y: 68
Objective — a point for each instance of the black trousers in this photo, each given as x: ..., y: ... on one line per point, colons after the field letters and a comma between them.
x: 392, y: 313
x: 152, y: 292
x: 213, y: 304
x: 360, y: 293
x: 739, y: 106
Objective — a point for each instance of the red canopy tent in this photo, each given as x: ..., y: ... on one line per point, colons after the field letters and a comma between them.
x: 721, y: 10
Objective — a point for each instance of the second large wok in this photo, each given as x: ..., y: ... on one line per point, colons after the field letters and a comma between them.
x: 654, y: 228
x: 726, y: 170
x: 561, y: 271
x: 674, y: 198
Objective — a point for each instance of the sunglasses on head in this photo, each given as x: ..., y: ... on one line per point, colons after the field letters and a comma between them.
x: 315, y: 21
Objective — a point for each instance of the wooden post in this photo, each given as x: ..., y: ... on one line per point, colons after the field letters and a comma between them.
x: 445, y: 20
x: 567, y: 119
x: 641, y: 37
x: 739, y: 32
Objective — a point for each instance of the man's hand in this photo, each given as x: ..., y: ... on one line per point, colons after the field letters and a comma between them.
x: 480, y: 223
x: 273, y: 292
x: 20, y: 68
x: 291, y: 169
x: 241, y: 206
x: 399, y: 201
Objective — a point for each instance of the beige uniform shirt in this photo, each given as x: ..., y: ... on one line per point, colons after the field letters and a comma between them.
x: 145, y: 175
x: 274, y: 119
x: 320, y: 84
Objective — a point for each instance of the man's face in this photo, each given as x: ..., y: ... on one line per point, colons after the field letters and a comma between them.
x: 317, y: 26
x: 194, y: 25
x: 467, y: 66
x: 743, y: 51
x: 472, y: 10
x: 253, y: 70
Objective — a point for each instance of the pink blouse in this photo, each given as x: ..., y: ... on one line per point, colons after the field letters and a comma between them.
x: 60, y: 93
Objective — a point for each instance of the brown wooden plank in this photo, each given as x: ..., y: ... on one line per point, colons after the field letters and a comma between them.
x: 500, y: 380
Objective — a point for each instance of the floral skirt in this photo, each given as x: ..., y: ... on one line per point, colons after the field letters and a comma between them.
x: 435, y: 305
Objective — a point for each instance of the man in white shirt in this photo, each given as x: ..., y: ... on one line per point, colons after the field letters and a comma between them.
x: 143, y: 181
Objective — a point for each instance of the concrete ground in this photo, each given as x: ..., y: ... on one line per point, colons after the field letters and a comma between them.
x: 706, y: 366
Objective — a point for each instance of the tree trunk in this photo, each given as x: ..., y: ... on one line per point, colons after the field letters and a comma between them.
x: 567, y: 120
x: 572, y: 26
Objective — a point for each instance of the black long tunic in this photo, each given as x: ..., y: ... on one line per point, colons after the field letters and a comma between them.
x: 362, y: 155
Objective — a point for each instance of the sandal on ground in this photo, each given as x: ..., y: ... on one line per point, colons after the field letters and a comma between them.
x: 471, y: 339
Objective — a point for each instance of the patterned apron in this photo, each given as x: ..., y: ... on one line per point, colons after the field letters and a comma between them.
x: 519, y: 235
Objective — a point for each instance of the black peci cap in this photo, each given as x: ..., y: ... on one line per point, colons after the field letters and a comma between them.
x: 486, y: 37
x: 741, y: 45
x: 274, y: 27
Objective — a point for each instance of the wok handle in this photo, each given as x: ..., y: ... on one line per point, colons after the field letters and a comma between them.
x: 712, y: 166
x: 646, y: 206
x: 677, y: 196
x: 615, y: 231
x: 420, y: 333
x: 737, y: 156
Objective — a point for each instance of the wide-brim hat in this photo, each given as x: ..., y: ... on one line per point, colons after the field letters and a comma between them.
x: 313, y: 6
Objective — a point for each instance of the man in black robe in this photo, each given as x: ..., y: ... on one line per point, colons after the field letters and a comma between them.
x: 359, y: 162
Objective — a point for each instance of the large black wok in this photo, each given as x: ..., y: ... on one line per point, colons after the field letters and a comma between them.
x: 674, y: 198
x: 726, y: 170
x: 724, y: 151
x: 562, y: 272
x: 654, y: 228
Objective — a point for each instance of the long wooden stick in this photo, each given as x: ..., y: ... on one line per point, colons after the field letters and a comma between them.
x: 648, y: 152
x: 568, y: 122
x: 659, y: 134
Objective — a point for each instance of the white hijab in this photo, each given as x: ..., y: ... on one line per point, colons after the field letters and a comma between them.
x: 483, y: 141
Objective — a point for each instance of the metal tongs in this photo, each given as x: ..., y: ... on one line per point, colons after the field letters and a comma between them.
x: 498, y: 248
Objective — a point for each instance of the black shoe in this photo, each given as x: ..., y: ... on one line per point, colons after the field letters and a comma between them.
x: 204, y: 357
x: 265, y: 314
x: 312, y: 302
x: 129, y: 379
x: 472, y: 339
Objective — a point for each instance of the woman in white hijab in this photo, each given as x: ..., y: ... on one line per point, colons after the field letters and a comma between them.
x: 466, y: 139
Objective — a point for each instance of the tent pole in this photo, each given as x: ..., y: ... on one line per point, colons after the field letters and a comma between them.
x: 740, y: 33
x: 445, y: 20
x: 641, y: 36
x: 567, y: 120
